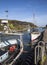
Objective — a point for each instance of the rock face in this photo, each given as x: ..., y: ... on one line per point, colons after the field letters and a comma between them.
x: 45, y: 36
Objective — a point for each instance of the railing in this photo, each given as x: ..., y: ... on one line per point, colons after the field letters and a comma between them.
x: 39, y: 52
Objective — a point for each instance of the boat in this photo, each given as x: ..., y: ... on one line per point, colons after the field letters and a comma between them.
x: 10, y: 50
x: 36, y: 35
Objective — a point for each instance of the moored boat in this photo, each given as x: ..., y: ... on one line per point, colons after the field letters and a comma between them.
x: 36, y: 35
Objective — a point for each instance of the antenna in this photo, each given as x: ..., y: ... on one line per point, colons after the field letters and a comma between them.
x: 33, y: 17
x: 34, y: 21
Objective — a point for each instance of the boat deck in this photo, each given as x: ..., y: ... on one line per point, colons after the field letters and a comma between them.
x: 2, y: 52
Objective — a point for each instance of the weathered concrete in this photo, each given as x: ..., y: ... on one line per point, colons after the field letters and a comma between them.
x: 45, y: 36
x: 45, y: 40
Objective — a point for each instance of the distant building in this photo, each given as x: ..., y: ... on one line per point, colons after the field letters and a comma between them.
x: 4, y: 23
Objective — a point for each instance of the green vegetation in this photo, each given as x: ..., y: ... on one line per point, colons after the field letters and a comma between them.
x: 11, y: 26
x: 17, y: 25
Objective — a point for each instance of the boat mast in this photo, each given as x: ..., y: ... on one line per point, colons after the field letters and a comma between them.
x: 33, y: 17
x: 6, y: 14
x: 5, y: 23
x: 7, y: 19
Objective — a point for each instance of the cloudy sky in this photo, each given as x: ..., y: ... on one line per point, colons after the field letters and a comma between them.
x: 25, y: 10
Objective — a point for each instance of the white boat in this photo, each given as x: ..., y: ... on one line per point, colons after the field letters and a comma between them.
x: 4, y: 56
x: 8, y: 44
x: 5, y: 44
x: 35, y: 36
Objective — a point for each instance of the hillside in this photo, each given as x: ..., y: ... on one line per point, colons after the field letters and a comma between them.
x: 17, y: 25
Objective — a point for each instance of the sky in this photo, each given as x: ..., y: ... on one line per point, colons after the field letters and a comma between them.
x: 34, y: 11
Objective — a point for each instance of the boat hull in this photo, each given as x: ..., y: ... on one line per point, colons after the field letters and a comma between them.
x: 35, y: 37
x: 4, y: 57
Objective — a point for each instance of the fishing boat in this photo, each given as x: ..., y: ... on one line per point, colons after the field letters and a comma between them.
x: 10, y: 50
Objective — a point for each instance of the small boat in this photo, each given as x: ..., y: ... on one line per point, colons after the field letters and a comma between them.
x: 35, y: 36
x: 9, y: 48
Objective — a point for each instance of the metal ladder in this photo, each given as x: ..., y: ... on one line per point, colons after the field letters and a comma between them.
x: 39, y: 52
